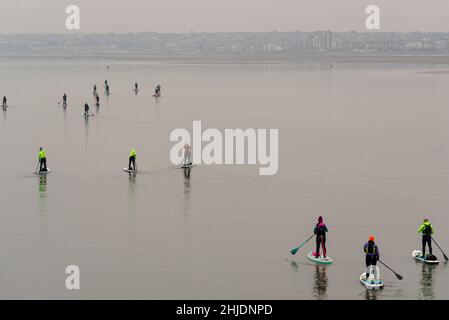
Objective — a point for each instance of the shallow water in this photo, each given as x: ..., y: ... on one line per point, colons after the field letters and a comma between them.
x: 364, y: 145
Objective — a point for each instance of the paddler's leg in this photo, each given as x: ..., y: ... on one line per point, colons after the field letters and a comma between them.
x: 129, y: 163
x: 429, y: 244
x: 318, y: 243
x: 323, y: 244
x: 44, y: 160
x: 423, y: 246
x: 368, y: 265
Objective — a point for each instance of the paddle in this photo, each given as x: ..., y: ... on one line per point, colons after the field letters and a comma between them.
x: 35, y: 171
x: 445, y: 257
x: 296, y: 250
x: 397, y: 275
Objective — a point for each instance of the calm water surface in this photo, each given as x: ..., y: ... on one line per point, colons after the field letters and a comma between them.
x: 364, y: 145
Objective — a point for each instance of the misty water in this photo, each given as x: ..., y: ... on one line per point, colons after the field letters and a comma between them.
x: 364, y: 145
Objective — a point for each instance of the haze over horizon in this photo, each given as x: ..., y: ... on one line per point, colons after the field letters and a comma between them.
x: 183, y: 16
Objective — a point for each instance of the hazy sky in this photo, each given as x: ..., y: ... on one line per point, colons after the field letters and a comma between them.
x: 19, y: 16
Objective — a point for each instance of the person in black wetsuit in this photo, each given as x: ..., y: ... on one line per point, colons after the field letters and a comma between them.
x: 64, y: 99
x: 372, y: 254
x: 4, y: 101
x: 86, y: 109
x: 320, y: 231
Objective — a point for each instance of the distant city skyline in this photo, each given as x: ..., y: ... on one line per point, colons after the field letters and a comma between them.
x: 297, y: 43
x: 182, y: 16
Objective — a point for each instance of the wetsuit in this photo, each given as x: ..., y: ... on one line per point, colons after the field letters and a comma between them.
x: 64, y: 99
x: 98, y: 100
x: 4, y: 102
x: 426, y: 230
x: 132, y: 160
x: 86, y: 109
x: 320, y: 231
x: 372, y: 255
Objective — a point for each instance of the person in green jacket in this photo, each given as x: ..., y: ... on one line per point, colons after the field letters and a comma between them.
x: 42, y: 160
x: 132, y: 160
x: 426, y: 230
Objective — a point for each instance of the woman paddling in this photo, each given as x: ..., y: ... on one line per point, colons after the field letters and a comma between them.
x: 320, y: 231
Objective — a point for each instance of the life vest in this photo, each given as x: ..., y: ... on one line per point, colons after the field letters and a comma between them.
x: 427, y: 229
x: 42, y: 154
x: 371, y: 248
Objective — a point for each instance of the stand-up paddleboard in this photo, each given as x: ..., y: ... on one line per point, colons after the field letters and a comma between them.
x: 130, y: 171
x: 87, y: 115
x: 320, y: 259
x: 187, y: 166
x: 417, y: 255
x: 371, y: 283
x: 156, y: 95
x: 43, y: 172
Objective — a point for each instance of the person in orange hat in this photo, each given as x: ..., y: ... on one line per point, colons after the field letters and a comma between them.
x: 372, y: 254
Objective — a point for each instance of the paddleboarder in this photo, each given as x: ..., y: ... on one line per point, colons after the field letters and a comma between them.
x: 187, y: 155
x: 157, y: 91
x: 136, y: 87
x: 97, y: 98
x: 64, y: 99
x: 4, y: 101
x: 42, y: 160
x: 426, y: 230
x: 320, y: 231
x: 95, y: 90
x: 372, y: 256
x: 86, y: 109
x: 132, y: 160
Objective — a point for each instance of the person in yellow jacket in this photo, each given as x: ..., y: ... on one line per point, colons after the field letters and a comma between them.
x: 42, y: 160
x: 426, y: 230
x: 132, y: 160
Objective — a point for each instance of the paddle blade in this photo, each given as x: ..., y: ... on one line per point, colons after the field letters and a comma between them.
x: 399, y: 276
x: 294, y: 251
x: 445, y: 257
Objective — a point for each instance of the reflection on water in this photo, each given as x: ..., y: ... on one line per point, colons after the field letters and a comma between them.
x: 426, y: 282
x: 371, y: 294
x: 86, y: 132
x: 42, y: 202
x: 131, y: 194
x: 320, y: 282
x: 186, y: 202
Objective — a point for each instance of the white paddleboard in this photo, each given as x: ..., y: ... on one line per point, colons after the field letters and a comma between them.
x: 43, y: 172
x: 417, y: 255
x: 131, y: 171
x: 371, y: 283
x: 320, y: 259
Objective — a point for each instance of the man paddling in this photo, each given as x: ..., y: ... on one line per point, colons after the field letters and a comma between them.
x: 426, y: 230
x: 42, y: 160
x: 95, y: 90
x: 136, y: 87
x: 97, y: 98
x: 320, y: 231
x: 132, y: 160
x: 372, y: 255
x: 64, y: 99
x: 4, y: 101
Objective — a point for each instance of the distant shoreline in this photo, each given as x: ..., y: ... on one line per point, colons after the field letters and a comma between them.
x: 237, y: 58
